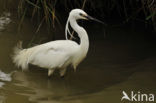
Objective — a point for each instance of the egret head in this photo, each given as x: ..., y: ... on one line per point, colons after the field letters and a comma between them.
x: 80, y: 14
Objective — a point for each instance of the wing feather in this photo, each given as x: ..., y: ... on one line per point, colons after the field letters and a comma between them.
x: 50, y: 56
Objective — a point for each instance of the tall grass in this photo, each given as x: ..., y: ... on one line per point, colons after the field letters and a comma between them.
x: 8, y: 5
x: 46, y: 11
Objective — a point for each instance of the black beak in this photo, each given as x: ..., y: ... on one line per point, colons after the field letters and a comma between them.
x: 91, y: 18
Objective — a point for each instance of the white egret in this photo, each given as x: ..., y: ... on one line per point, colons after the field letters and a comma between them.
x: 57, y: 54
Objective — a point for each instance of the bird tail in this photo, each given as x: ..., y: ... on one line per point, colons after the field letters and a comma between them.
x: 20, y: 56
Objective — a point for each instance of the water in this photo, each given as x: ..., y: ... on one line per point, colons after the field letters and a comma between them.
x: 113, y: 65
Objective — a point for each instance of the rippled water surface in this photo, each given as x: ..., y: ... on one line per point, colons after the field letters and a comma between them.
x: 112, y: 65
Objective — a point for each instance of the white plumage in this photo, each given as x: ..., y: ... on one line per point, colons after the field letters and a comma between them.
x: 57, y: 54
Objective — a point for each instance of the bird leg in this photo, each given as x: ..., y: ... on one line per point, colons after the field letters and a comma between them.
x: 62, y: 72
x: 50, y: 72
x: 75, y: 66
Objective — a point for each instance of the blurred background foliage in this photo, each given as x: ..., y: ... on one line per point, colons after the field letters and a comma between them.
x: 53, y: 12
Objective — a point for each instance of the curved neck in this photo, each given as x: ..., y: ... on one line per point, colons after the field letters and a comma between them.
x: 84, y: 41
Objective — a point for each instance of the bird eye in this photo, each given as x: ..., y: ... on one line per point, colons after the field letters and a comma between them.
x: 81, y: 14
